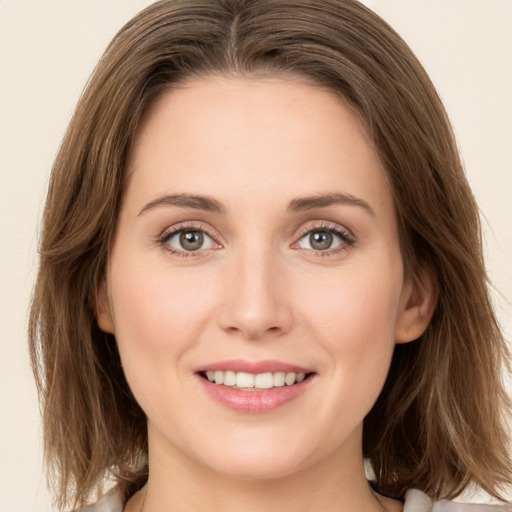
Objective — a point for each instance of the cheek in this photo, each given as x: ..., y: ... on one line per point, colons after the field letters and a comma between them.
x: 355, y: 324
x: 360, y: 307
x: 152, y: 302
x: 158, y: 316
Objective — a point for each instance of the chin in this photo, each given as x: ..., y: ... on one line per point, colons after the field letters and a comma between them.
x: 256, y: 456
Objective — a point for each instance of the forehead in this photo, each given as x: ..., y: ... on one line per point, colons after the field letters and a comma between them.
x: 229, y: 137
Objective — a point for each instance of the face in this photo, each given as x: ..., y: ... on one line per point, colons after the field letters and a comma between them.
x: 255, y: 286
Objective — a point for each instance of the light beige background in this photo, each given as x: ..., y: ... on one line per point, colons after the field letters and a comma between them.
x: 47, y: 50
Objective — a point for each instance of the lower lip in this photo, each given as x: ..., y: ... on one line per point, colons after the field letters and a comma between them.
x: 254, y: 402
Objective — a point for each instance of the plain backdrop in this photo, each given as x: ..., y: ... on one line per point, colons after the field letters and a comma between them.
x: 48, y: 49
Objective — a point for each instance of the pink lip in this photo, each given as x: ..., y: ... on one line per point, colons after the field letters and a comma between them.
x: 242, y: 365
x: 254, y: 402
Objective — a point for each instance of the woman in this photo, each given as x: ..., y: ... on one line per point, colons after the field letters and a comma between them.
x: 260, y: 264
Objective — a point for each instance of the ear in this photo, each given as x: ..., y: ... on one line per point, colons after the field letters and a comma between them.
x: 417, y: 305
x: 104, y: 315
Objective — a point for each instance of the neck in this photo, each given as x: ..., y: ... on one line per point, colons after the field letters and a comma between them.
x: 177, y: 483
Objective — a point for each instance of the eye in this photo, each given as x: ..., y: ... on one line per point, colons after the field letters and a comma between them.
x: 320, y: 240
x: 324, y: 239
x: 189, y: 240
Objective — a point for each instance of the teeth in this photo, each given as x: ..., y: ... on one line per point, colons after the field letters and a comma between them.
x: 229, y: 378
x: 279, y: 379
x: 264, y: 381
x: 290, y: 379
x: 243, y: 380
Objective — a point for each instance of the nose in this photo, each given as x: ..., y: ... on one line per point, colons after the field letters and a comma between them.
x: 255, y: 301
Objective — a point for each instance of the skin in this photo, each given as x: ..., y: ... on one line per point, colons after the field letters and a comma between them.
x: 257, y: 290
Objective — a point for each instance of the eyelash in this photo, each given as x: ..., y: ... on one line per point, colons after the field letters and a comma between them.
x: 169, y: 233
x: 347, y: 239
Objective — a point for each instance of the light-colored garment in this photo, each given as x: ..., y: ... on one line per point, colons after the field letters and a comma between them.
x: 111, y: 502
x: 415, y: 501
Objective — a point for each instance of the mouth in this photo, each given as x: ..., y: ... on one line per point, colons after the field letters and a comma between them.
x: 244, y: 381
x: 255, y: 387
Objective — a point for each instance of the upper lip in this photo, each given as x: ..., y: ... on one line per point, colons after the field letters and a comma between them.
x: 255, y: 367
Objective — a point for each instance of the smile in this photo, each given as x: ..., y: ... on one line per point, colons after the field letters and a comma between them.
x: 249, y: 382
x: 254, y: 387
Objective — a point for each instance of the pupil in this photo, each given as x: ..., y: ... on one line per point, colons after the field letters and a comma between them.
x: 320, y: 240
x: 191, y: 240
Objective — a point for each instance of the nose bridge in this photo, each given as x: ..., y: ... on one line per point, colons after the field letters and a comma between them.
x: 255, y: 304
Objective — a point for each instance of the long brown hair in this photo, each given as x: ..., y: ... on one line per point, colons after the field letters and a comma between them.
x: 439, y: 423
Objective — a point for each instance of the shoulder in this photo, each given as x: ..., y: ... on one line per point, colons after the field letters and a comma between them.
x: 111, y: 502
x: 417, y: 501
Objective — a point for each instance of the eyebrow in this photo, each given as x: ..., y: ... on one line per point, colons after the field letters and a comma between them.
x: 295, y: 205
x: 325, y: 200
x: 185, y: 201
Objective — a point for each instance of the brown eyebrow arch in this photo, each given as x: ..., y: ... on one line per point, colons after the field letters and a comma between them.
x: 185, y: 201
x: 324, y: 200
